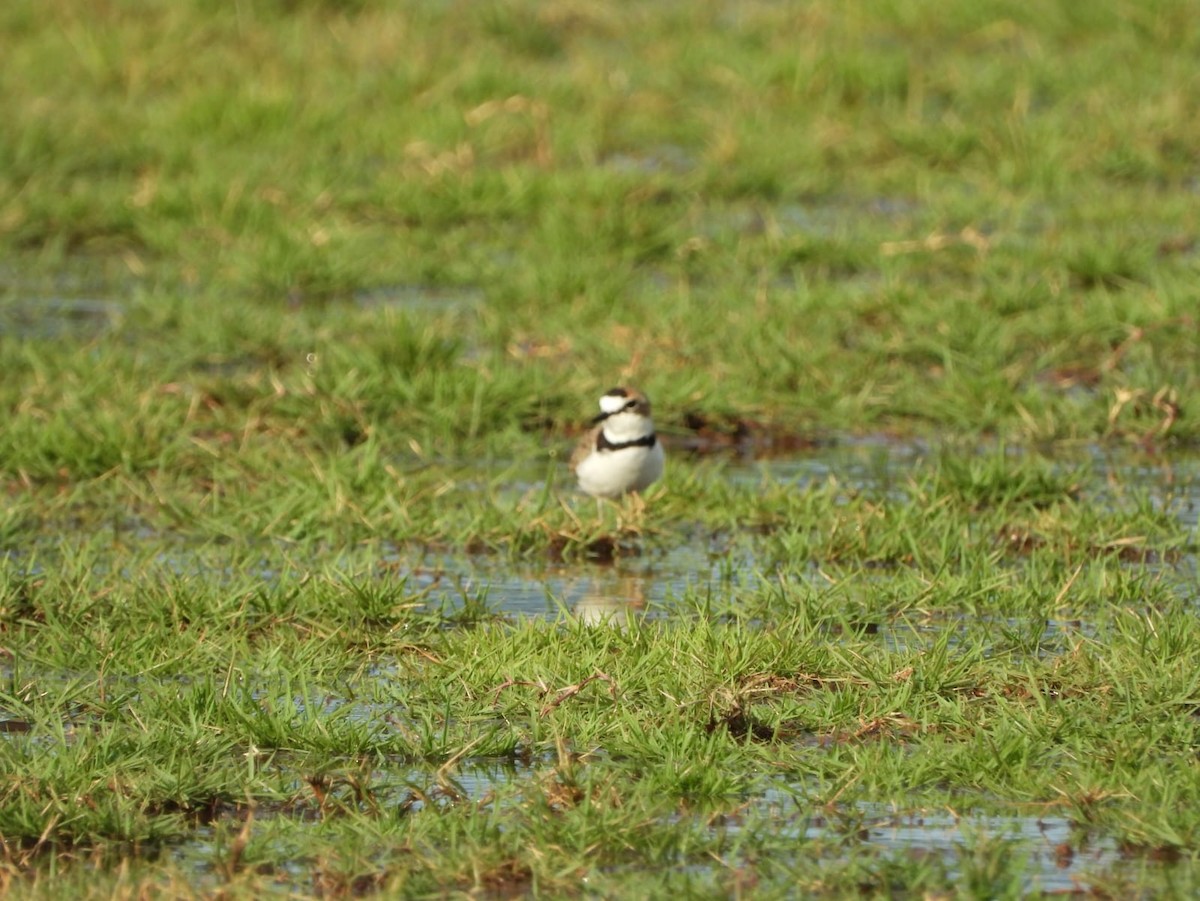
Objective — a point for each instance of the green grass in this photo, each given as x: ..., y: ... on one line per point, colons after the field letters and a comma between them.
x: 302, y: 304
x: 859, y: 221
x: 993, y: 637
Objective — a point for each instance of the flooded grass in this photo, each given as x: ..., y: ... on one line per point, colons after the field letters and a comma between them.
x: 841, y: 696
x: 303, y: 305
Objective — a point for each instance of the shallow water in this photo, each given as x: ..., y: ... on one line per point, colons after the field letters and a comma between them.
x: 824, y: 217
x: 79, y: 300
x: 664, y: 580
x: 644, y: 586
x: 661, y: 584
x: 650, y: 585
x: 414, y: 298
x: 56, y: 317
x: 1059, y: 856
x: 669, y: 158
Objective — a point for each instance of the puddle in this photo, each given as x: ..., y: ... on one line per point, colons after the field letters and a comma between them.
x: 317, y: 797
x: 1057, y: 860
x: 869, y: 465
x: 823, y: 217
x: 78, y: 298
x: 1058, y: 856
x: 56, y: 317
x: 636, y: 586
x: 421, y: 298
x: 664, y: 580
x: 668, y: 158
x: 669, y: 578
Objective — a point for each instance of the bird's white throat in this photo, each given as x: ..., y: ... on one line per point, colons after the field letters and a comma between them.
x: 622, y: 427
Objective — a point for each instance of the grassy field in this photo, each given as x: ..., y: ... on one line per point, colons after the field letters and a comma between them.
x: 302, y: 304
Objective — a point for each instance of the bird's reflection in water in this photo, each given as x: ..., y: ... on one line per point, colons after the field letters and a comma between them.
x: 610, y: 597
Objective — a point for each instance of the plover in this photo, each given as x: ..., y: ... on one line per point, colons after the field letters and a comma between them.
x: 621, y: 453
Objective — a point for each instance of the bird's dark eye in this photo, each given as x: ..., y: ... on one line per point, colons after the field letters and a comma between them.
x: 630, y: 405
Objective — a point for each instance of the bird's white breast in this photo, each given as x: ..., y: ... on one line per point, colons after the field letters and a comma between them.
x: 613, y: 473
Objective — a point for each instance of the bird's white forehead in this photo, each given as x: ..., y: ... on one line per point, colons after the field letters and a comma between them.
x: 612, y: 403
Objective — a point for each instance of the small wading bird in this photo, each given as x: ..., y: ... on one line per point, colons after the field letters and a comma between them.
x: 620, y: 453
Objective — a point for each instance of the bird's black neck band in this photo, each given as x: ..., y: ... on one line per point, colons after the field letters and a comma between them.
x: 602, y: 442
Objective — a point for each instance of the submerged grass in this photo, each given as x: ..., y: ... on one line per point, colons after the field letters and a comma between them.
x: 316, y: 714
x: 298, y: 297
x: 627, y: 748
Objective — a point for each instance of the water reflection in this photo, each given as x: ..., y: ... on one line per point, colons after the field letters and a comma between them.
x: 611, y: 597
